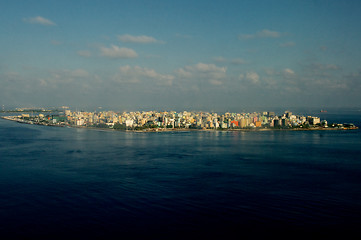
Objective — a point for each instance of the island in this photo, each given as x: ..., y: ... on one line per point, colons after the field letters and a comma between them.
x: 154, y: 121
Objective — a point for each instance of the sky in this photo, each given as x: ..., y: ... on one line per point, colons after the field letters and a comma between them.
x: 180, y: 55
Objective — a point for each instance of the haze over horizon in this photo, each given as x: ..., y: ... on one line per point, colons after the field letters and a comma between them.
x: 192, y: 55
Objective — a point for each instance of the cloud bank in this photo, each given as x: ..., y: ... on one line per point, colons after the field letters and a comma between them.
x: 137, y: 74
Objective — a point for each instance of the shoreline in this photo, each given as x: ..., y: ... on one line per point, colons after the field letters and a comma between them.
x: 156, y: 130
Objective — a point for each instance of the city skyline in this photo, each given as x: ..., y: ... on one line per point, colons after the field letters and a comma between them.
x: 172, y: 120
x: 180, y: 55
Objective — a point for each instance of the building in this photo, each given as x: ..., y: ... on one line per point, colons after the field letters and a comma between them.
x: 313, y: 120
x: 276, y: 122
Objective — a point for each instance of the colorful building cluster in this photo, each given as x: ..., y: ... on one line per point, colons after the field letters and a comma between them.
x: 193, y: 120
x: 147, y: 120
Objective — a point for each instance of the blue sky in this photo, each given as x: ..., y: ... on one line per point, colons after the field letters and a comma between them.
x: 192, y: 55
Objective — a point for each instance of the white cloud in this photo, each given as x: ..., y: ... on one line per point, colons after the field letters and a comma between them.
x: 204, y: 72
x: 79, y: 73
x: 136, y: 74
x: 39, y: 20
x: 322, y: 70
x: 215, y: 82
x: 252, y: 77
x: 183, y: 73
x: 203, y: 67
x: 60, y: 78
x: 117, y: 52
x: 84, y: 53
x: 138, y: 39
x: 68, y: 75
x: 320, y: 66
x: 288, y: 71
x: 265, y: 33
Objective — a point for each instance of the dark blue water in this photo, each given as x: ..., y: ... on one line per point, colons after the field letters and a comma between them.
x: 65, y: 182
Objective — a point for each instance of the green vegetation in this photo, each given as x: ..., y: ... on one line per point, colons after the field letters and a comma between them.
x: 119, y: 126
x: 100, y: 125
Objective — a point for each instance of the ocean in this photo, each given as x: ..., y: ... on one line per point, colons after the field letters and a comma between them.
x: 82, y: 183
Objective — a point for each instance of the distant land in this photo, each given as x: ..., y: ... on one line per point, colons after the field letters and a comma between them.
x: 151, y: 121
